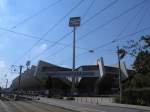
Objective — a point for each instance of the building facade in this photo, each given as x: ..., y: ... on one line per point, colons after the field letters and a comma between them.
x: 91, y: 80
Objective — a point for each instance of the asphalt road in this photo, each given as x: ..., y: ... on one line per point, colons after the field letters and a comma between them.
x: 29, y: 106
x: 32, y: 106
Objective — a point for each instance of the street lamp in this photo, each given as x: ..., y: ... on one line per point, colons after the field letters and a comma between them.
x: 74, y: 22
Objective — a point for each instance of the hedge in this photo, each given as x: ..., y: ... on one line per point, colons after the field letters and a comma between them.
x: 136, y: 96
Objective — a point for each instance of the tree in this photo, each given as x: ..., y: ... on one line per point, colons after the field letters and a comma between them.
x: 137, y: 89
x: 140, y: 50
x: 142, y: 62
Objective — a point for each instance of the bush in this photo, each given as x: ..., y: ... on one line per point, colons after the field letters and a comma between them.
x: 70, y: 98
x: 58, y: 97
x: 117, y: 99
x: 136, y: 96
x: 140, y: 81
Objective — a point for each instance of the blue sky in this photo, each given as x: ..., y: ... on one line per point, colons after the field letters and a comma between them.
x: 13, y: 46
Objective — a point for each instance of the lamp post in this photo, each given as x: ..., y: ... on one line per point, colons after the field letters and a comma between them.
x: 74, y: 22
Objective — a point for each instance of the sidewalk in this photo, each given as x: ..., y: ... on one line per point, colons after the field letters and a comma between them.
x: 87, y: 107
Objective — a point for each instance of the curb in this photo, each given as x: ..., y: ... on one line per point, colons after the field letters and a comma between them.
x: 73, y: 108
x: 65, y: 108
x: 146, y: 108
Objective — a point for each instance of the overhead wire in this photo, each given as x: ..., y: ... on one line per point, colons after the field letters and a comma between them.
x: 142, y: 17
x: 110, y: 21
x: 114, y: 18
x: 51, y: 28
x: 104, y: 24
x: 88, y: 9
x: 36, y: 14
x: 31, y: 17
x: 122, y: 31
x: 123, y: 37
x: 84, y: 15
x: 118, y: 38
x: 34, y: 37
x: 129, y: 22
x: 99, y: 12
x: 93, y: 16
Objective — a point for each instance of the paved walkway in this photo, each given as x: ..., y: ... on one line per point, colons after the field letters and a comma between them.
x: 87, y: 107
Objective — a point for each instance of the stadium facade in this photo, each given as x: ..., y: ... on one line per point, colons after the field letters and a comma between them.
x: 53, y: 80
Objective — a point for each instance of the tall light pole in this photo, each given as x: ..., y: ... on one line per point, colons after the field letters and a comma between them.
x: 74, y: 22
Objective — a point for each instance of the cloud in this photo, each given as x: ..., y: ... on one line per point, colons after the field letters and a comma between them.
x: 3, y: 4
x: 42, y: 47
x: 2, y: 64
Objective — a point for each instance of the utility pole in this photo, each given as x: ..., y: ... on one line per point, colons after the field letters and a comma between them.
x: 20, y: 71
x: 119, y: 77
x: 74, y: 22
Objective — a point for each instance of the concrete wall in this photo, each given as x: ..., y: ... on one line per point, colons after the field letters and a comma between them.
x: 94, y: 100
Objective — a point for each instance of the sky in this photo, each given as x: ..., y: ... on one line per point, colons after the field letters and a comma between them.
x: 34, y: 30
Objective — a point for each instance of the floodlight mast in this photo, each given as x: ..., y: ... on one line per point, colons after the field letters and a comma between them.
x: 74, y: 22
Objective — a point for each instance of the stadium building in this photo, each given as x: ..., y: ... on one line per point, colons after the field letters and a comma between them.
x: 53, y: 80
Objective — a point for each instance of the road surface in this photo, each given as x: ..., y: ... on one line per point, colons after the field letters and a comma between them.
x: 29, y: 106
x: 32, y: 106
x: 86, y: 107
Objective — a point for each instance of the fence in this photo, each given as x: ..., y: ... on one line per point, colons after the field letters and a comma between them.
x: 95, y: 100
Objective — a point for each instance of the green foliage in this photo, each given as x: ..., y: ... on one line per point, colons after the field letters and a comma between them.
x: 141, y: 51
x: 140, y: 81
x: 137, y: 96
x: 142, y: 62
x: 133, y: 47
x: 137, y: 89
